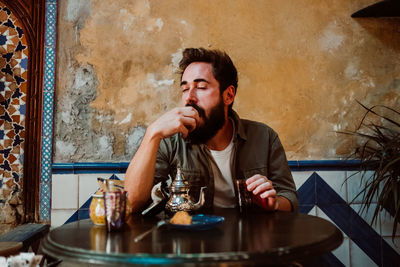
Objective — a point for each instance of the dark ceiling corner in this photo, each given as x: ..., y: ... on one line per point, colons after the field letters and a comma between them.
x: 385, y: 8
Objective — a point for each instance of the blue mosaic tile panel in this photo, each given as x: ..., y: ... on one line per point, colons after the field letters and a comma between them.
x: 44, y: 197
x: 46, y: 157
x: 50, y: 58
x: 48, y: 102
x: 51, y: 13
x: 13, y: 89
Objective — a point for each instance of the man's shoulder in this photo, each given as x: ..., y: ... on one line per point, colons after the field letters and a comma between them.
x: 251, y: 123
x: 251, y: 126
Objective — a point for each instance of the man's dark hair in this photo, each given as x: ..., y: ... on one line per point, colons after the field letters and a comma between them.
x: 222, y: 67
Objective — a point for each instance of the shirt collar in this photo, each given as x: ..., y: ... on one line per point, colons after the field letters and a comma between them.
x: 238, y: 125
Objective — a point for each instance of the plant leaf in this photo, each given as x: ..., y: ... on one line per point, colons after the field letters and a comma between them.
x: 384, y: 117
x: 378, y: 150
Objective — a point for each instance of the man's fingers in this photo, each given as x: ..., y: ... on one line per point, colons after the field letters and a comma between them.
x: 184, y: 131
x: 178, y: 120
x: 190, y: 112
x: 190, y: 118
x: 268, y: 194
x: 262, y: 187
x: 253, y: 183
x: 253, y: 178
x: 189, y: 123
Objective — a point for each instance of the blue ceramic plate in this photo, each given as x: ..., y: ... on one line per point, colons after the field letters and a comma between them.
x: 200, y: 222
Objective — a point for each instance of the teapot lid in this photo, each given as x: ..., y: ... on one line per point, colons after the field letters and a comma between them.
x: 179, y: 182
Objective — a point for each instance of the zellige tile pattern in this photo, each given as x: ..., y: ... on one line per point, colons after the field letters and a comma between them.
x: 13, y: 89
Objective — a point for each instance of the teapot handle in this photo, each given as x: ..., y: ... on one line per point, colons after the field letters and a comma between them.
x: 164, y: 189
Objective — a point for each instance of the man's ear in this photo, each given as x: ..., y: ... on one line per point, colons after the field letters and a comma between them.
x: 229, y: 95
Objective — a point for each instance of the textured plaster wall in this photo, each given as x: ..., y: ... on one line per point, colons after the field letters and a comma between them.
x: 302, y: 65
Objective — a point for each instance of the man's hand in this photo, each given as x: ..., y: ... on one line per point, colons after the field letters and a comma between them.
x: 265, y: 195
x: 178, y: 120
x: 263, y: 191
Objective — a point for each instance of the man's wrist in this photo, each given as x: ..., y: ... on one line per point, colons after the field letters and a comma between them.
x: 152, y: 134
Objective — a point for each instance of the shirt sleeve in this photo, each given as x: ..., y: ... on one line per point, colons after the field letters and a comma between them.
x: 280, y: 174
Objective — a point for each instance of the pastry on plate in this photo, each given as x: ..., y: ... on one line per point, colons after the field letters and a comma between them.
x: 181, y: 217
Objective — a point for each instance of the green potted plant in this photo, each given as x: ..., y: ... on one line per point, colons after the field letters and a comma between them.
x: 378, y: 150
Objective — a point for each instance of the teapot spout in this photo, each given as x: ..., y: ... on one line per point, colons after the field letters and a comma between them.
x: 201, y: 200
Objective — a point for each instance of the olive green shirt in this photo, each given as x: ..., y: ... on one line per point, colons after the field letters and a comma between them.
x: 257, y: 150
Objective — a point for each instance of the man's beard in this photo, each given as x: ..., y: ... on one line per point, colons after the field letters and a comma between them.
x: 212, y: 124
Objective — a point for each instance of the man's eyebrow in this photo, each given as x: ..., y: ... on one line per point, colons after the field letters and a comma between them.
x: 196, y: 80
x: 200, y: 80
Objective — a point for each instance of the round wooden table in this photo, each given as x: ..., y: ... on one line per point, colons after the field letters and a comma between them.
x: 254, y: 237
x: 10, y: 248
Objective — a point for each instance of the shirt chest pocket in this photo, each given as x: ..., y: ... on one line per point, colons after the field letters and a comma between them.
x: 262, y: 170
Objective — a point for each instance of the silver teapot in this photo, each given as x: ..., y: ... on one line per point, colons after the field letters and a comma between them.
x: 179, y: 199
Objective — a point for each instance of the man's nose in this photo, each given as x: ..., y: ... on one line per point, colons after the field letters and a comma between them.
x: 191, y: 96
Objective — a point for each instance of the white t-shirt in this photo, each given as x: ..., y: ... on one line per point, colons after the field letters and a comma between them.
x: 224, y: 194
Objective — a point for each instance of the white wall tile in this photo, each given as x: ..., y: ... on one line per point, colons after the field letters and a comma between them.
x: 64, y: 193
x: 59, y: 217
x: 358, y: 258
x: 387, y: 224
x: 300, y: 177
x: 343, y: 253
x: 88, y: 185
x: 355, y: 185
x: 313, y: 211
x: 336, y: 180
x: 367, y: 215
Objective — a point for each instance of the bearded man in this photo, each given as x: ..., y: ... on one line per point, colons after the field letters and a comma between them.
x: 212, y: 146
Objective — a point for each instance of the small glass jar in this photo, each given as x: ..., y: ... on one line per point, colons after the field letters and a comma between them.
x: 96, y: 210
